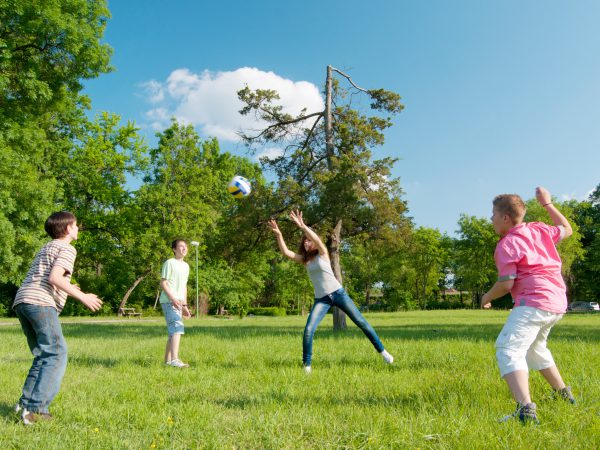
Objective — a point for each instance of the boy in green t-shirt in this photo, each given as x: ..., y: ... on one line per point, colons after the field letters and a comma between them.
x: 173, y: 300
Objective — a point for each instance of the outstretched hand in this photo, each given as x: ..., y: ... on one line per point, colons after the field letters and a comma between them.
x: 296, y: 217
x: 91, y: 302
x: 272, y: 224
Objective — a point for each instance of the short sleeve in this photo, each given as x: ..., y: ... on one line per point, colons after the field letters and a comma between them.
x: 506, y: 257
x: 167, y: 270
x: 66, y: 258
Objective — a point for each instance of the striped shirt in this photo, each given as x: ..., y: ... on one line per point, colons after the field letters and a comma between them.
x: 36, y: 289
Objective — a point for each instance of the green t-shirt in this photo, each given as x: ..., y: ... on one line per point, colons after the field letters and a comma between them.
x: 176, y: 273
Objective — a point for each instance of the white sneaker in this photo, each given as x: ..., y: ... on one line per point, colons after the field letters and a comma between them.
x: 178, y: 363
x: 389, y: 359
x: 18, y: 408
x: 307, y: 369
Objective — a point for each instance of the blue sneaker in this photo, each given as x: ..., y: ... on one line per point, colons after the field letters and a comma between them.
x: 565, y: 393
x: 525, y: 412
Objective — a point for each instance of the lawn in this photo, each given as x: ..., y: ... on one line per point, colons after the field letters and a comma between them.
x: 246, y: 388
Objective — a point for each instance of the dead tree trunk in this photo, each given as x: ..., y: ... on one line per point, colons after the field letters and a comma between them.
x: 333, y: 243
x: 129, y: 291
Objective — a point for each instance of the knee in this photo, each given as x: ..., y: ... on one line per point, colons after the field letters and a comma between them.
x: 309, y: 331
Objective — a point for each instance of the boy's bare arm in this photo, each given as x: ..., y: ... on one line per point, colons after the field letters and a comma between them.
x: 499, y: 289
x: 58, y: 280
x: 545, y: 199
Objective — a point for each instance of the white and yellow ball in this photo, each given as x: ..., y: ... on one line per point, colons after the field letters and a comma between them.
x: 239, y: 187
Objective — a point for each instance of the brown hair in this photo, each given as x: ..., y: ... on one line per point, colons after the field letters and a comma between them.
x: 177, y: 241
x: 56, y: 225
x: 512, y: 205
x: 306, y: 255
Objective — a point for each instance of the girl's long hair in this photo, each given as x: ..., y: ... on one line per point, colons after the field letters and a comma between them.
x: 306, y: 255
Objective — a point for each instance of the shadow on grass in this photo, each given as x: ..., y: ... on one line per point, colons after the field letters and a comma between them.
x: 433, y: 332
x: 8, y: 411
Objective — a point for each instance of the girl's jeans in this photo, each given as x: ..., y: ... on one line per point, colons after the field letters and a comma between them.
x: 343, y: 301
x: 44, y: 336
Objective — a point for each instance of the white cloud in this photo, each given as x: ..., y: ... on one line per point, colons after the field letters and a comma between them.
x: 154, y: 90
x: 269, y: 153
x: 209, y: 100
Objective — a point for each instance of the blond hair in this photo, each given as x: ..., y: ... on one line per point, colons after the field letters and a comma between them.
x: 512, y: 205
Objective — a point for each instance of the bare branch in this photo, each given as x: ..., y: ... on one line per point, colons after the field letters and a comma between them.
x: 281, y: 125
x: 350, y: 80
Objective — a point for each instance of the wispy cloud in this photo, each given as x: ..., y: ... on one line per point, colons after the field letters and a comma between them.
x: 208, y: 100
x: 269, y: 153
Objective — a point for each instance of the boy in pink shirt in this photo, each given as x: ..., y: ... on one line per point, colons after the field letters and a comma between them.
x: 529, y: 267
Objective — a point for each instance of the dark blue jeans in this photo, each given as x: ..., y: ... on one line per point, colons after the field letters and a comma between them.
x: 343, y: 301
x: 47, y: 344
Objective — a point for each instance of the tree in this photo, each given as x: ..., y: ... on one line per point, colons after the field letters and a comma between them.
x: 473, y: 256
x: 46, y: 49
x: 586, y: 269
x: 327, y: 167
x: 426, y: 254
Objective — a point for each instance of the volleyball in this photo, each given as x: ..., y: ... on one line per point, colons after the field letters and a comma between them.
x: 239, y: 187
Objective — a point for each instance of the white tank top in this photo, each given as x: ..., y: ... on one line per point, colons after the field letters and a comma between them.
x: 320, y: 273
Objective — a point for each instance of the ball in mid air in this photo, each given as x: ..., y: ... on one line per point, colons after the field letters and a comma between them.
x: 239, y: 187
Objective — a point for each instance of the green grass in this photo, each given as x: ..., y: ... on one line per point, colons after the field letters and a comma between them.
x: 246, y: 387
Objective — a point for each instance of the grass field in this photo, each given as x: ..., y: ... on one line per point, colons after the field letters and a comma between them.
x: 246, y: 387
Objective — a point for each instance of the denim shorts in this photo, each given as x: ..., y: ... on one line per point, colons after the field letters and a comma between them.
x: 173, y: 319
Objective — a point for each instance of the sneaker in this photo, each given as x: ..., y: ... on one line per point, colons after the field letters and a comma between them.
x: 389, y: 359
x: 18, y: 408
x: 525, y: 412
x: 168, y: 363
x: 565, y: 393
x: 178, y: 363
x: 307, y: 370
x: 29, y: 417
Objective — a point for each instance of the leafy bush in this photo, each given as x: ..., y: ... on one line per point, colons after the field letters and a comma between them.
x: 273, y: 311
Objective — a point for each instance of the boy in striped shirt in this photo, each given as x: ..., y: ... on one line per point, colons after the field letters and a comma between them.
x: 38, y: 302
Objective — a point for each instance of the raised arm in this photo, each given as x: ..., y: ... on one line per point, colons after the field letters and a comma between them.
x: 272, y: 224
x: 296, y: 217
x: 545, y: 199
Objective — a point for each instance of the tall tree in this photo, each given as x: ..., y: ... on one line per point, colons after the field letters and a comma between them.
x: 327, y: 167
x: 473, y: 256
x: 46, y: 49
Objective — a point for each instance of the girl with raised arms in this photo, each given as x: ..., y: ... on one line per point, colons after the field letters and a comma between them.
x: 328, y: 291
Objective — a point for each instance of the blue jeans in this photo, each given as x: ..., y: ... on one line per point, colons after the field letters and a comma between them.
x: 47, y: 344
x: 343, y: 301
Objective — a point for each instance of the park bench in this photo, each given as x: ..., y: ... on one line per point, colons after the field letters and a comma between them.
x: 129, y: 312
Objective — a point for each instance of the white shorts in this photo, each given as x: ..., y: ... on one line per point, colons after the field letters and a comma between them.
x: 521, y: 344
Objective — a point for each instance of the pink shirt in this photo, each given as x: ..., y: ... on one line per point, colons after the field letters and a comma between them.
x: 528, y: 255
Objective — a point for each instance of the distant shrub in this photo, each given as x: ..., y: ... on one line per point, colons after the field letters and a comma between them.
x: 274, y: 311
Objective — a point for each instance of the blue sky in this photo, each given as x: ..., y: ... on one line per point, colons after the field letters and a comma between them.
x: 499, y: 96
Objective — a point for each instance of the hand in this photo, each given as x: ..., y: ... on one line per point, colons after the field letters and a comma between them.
x: 296, y: 217
x: 91, y: 302
x: 542, y: 195
x: 486, y: 302
x: 272, y: 224
x: 185, y: 312
x: 176, y: 304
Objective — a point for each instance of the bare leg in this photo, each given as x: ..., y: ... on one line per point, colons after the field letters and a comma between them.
x: 552, y: 376
x: 168, y: 356
x: 175, y: 346
x: 518, y: 383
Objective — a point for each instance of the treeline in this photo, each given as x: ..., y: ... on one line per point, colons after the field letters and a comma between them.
x: 53, y: 157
